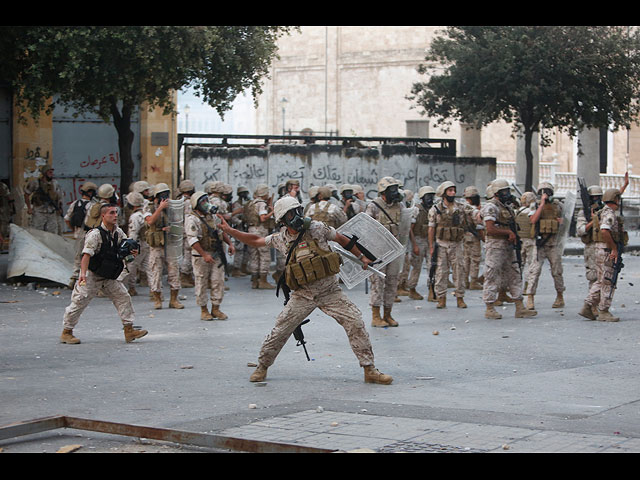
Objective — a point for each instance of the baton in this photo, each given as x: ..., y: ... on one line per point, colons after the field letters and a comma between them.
x: 359, y: 262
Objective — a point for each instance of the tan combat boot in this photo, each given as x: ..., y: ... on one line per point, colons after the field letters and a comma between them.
x: 402, y: 290
x: 259, y: 374
x: 491, y: 312
x: 133, y: 292
x: 431, y: 296
x: 530, y: 303
x: 204, y: 313
x: 605, y: 316
x: 522, y: 311
x: 263, y: 283
x: 388, y: 319
x: 157, y: 298
x: 474, y: 284
x: 373, y: 375
x: 376, y: 320
x: 254, y: 281
x: 215, y: 311
x: 559, y: 302
x: 173, y: 301
x: 442, y: 301
x: 503, y: 297
x: 415, y: 295
x: 67, y: 337
x: 461, y: 303
x: 237, y: 272
x: 587, y: 312
x: 130, y: 334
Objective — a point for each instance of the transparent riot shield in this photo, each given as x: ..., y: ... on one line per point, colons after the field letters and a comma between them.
x: 174, y: 243
x: 568, y: 208
x: 375, y: 238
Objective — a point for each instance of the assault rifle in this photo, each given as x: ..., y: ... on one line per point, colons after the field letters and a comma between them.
x: 586, y: 200
x: 45, y: 196
x: 513, y: 226
x: 617, y: 266
x: 299, y: 336
x: 432, y: 270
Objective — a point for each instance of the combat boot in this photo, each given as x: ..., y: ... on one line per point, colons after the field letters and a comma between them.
x: 376, y: 320
x: 373, y: 375
x: 588, y: 312
x: 388, y: 319
x: 559, y: 302
x: 130, y: 334
x: 491, y: 312
x: 204, y: 313
x: 259, y: 374
x: 215, y: 311
x: 415, y: 295
x: 402, y: 290
x: 133, y: 292
x: 173, y: 301
x: 530, y: 304
x: 263, y: 284
x: 67, y: 337
x: 522, y: 312
x: 186, y: 281
x: 254, y: 280
x: 503, y: 297
x: 461, y: 303
x: 474, y: 284
x: 605, y: 316
x: 236, y: 272
x: 442, y: 301
x: 431, y: 296
x: 157, y: 298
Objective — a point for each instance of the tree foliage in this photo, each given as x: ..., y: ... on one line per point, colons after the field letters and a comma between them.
x: 535, y: 77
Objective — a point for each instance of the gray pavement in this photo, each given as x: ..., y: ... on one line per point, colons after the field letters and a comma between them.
x: 462, y: 383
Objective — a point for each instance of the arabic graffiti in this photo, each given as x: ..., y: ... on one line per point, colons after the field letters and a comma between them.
x: 99, y: 162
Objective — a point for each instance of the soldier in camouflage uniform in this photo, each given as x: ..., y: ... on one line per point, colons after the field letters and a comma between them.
x: 323, y: 210
x: 156, y: 236
x: 292, y: 189
x: 500, y: 264
x: 186, y: 189
x: 349, y: 203
x: 526, y: 232
x: 446, y: 227
x: 204, y: 237
x: 386, y: 209
x: 74, y: 219
x: 99, y: 257
x: 607, y: 233
x: 308, y: 243
x: 546, y: 220
x: 241, y: 256
x: 473, y: 238
x: 313, y: 198
x: 258, y: 214
x: 43, y: 197
x: 135, y: 231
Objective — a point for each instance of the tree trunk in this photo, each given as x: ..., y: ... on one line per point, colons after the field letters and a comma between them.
x: 528, y: 155
x: 122, y: 122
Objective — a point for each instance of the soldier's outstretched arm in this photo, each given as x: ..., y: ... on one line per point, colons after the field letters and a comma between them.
x: 245, y: 237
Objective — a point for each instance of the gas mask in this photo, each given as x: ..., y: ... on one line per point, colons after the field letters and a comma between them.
x: 392, y: 195
x: 549, y: 193
x: 475, y: 200
x: 504, y: 195
x: 244, y: 196
x: 205, y: 207
x: 427, y: 200
x: 90, y: 193
x: 596, y: 202
x: 162, y: 196
x: 294, y: 219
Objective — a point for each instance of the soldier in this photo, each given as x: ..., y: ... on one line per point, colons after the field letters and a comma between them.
x: 546, y: 220
x: 7, y: 210
x: 325, y: 211
x: 43, y: 197
x: 301, y: 240
x: 526, y: 232
x: 608, y: 236
x: 473, y: 238
x: 203, y: 236
x: 258, y: 214
x: 135, y: 231
x: 447, y: 225
x: 386, y: 209
x: 101, y: 258
x: 74, y: 219
x: 418, y: 236
x: 186, y: 188
x: 500, y: 264
x: 241, y: 256
x: 156, y: 237
x: 334, y: 198
x: 313, y: 198
x: 349, y: 204
x: 292, y: 189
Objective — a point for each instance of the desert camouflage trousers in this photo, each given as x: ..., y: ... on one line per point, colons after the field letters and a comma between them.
x: 450, y: 258
x: 241, y: 256
x: 326, y: 295
x: 186, y: 266
x: 501, y: 270
x: 550, y: 253
x: 591, y: 273
x: 78, y: 245
x: 139, y: 264
x: 384, y: 290
x: 155, y: 268
x: 259, y: 258
x: 46, y: 221
x: 416, y: 261
x: 472, y: 255
x: 82, y: 295
x: 208, y: 276
x: 601, y: 289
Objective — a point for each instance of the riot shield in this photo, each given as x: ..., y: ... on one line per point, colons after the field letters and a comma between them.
x: 568, y: 207
x: 375, y: 238
x: 175, y: 216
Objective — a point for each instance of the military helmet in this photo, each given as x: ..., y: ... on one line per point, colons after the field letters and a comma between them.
x: 344, y: 187
x: 106, y: 190
x: 610, y: 195
x: 88, y: 186
x: 283, y: 205
x: 424, y: 190
x: 262, y: 190
x: 241, y: 189
x: 595, y: 190
x: 386, y: 182
x: 313, y: 191
x: 527, y: 198
x: 226, y: 189
x: 544, y: 185
x: 408, y: 194
x: 470, y: 191
x: 324, y: 192
x: 45, y: 168
x: 443, y: 187
x: 195, y: 198
x: 186, y: 185
x: 489, y: 191
x: 500, y: 184
x: 331, y: 187
x: 161, y: 187
x: 140, y: 186
x: 357, y: 188
x: 214, y: 187
x: 291, y: 181
x: 135, y: 199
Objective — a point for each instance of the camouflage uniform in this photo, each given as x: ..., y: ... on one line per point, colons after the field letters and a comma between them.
x: 45, y: 216
x: 6, y: 211
x: 590, y: 249
x: 327, y: 212
x: 157, y: 258
x: 259, y: 258
x: 420, y: 228
x: 78, y: 234
x: 472, y: 245
x: 136, y: 225
x: 241, y: 257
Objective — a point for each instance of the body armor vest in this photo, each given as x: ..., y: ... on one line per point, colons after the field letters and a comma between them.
x: 450, y: 225
x: 421, y: 226
x: 505, y: 217
x: 251, y: 216
x: 45, y: 191
x: 525, y: 228
x: 106, y: 263
x: 308, y: 263
x: 154, y: 235
x: 618, y: 235
x: 209, y: 241
x: 391, y: 219
x: 323, y: 215
x: 548, y: 220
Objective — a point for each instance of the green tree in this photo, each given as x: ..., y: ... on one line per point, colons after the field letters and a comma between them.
x: 535, y: 77
x: 113, y: 70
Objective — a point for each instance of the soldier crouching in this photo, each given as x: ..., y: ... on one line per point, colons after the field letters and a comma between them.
x: 100, y: 256
x: 305, y: 242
